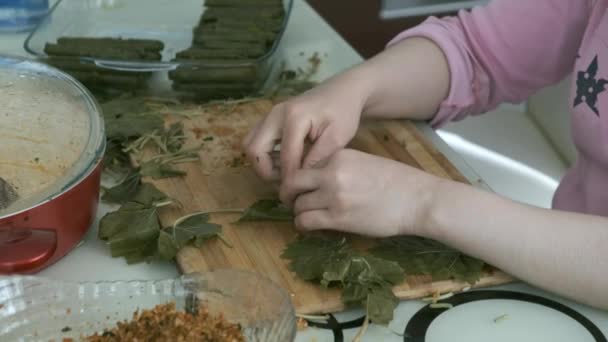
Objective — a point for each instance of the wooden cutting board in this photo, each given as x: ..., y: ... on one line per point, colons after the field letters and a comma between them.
x: 222, y: 179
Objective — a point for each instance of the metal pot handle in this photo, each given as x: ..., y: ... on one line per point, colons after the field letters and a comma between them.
x: 24, y: 249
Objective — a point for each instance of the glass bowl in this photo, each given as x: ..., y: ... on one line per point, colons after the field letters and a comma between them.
x: 37, y: 309
x: 169, y: 21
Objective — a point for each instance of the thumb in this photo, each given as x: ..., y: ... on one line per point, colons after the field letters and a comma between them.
x: 326, y: 145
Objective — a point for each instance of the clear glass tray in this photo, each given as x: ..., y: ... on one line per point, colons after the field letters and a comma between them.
x: 169, y: 21
x: 36, y: 309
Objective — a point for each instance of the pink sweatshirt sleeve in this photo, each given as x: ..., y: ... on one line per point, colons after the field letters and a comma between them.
x: 504, y: 51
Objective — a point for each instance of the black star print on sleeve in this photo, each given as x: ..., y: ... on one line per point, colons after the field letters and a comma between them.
x: 588, y: 86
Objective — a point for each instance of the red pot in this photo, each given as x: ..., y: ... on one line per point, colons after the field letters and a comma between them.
x: 52, y: 155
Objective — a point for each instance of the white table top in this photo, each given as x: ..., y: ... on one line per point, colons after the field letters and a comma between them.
x: 526, y: 321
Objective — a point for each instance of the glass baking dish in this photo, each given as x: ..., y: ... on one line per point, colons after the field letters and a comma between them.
x: 169, y: 21
x: 37, y: 309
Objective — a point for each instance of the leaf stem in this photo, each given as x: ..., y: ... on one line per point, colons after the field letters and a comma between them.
x: 216, y: 211
x: 163, y: 203
x: 237, y: 101
x: 169, y: 157
x: 224, y: 240
x: 434, y: 299
x: 313, y: 317
x: 441, y: 306
x: 501, y: 318
x: 363, y: 329
x: 138, y: 144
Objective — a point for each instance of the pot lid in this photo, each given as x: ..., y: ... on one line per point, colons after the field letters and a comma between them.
x: 51, y: 134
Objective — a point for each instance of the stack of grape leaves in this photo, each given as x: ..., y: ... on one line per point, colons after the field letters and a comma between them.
x: 187, y: 193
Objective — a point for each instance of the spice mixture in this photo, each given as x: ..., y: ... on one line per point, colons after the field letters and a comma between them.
x: 165, y: 323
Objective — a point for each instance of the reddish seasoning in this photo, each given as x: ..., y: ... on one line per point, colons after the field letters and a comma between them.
x: 198, y: 132
x: 222, y: 131
x: 165, y: 323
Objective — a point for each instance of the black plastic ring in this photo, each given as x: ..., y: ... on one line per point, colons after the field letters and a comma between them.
x: 417, y: 327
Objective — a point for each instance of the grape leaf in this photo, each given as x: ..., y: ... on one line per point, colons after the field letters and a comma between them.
x: 148, y: 195
x: 146, y: 252
x: 371, y: 269
x: 336, y: 268
x: 167, y: 247
x: 127, y: 118
x: 309, y: 256
x: 381, y: 303
x: 365, y: 279
x: 158, y: 170
x: 173, y: 137
x: 134, y: 241
x: 142, y: 193
x: 419, y: 256
x: 354, y: 293
x: 129, y: 229
x: 133, y: 231
x: 114, y: 222
x: 115, y: 159
x: 195, y: 229
x: 371, y: 280
x: 123, y: 191
x: 267, y: 210
x: 378, y: 300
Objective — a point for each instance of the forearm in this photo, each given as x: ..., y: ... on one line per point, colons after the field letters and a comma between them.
x: 408, y: 80
x: 565, y: 253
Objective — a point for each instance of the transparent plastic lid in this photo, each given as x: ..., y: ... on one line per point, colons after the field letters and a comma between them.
x: 51, y: 133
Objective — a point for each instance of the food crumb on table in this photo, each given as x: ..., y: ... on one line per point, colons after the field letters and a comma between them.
x: 301, y: 323
x: 501, y: 318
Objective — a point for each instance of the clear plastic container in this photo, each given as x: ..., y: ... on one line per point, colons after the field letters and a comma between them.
x: 35, y: 309
x: 169, y: 21
x: 21, y: 15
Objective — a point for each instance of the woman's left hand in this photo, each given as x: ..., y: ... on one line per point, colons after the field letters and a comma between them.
x: 360, y: 193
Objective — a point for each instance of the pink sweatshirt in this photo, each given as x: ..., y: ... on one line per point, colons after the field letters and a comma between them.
x: 507, y: 50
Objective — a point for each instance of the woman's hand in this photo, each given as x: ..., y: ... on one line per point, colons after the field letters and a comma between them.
x: 408, y: 80
x: 327, y: 117
x: 360, y: 193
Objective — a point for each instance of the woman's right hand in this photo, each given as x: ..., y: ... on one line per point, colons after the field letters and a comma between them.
x: 326, y: 117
